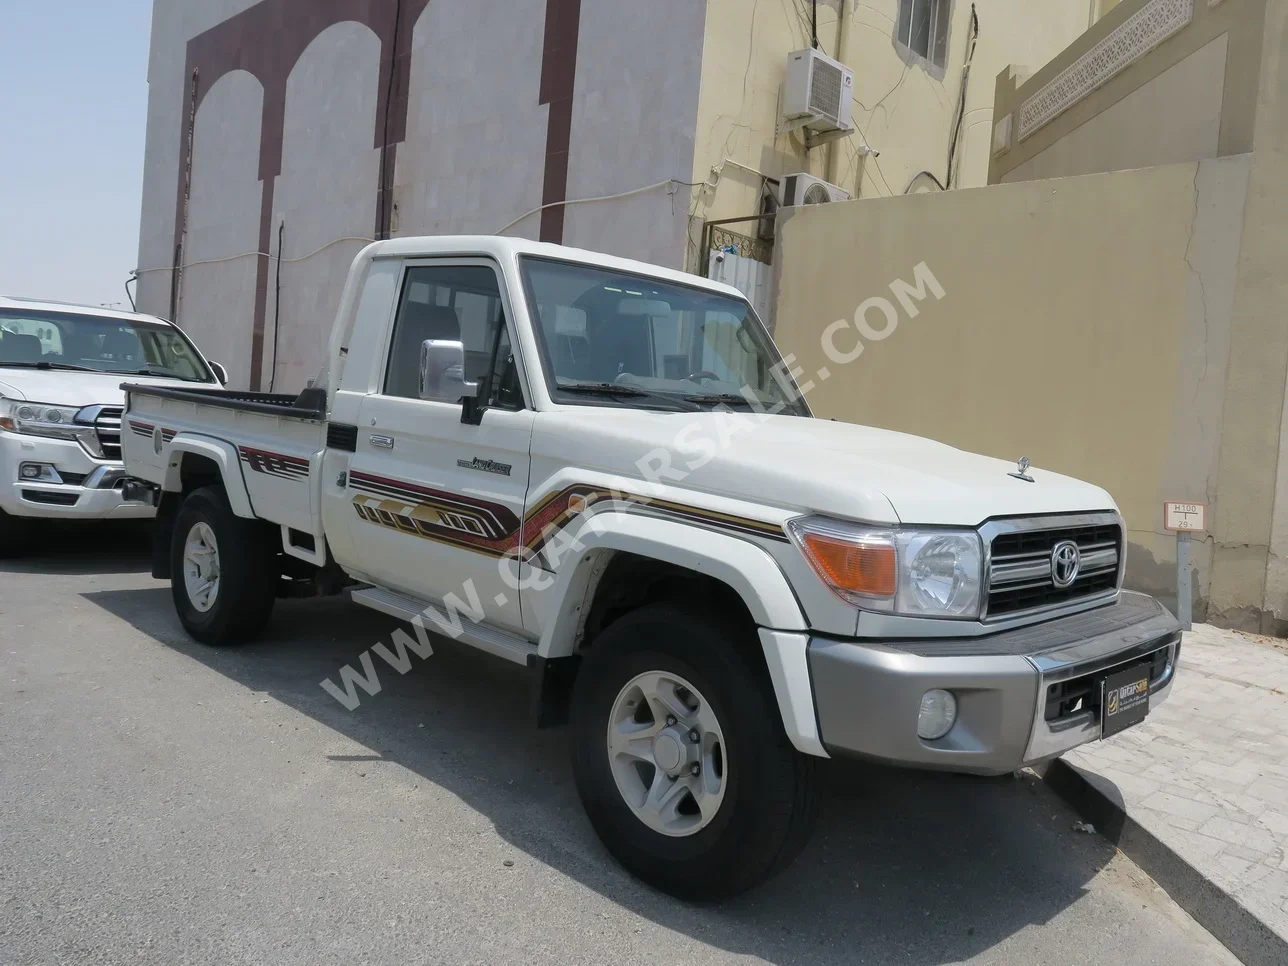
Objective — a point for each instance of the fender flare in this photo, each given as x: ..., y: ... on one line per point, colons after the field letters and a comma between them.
x: 223, y: 454
x: 752, y: 573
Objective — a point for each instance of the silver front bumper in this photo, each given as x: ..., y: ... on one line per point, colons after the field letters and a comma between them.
x: 1016, y: 690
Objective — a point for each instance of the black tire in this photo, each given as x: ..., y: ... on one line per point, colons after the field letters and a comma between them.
x: 248, y: 575
x: 15, y: 536
x: 771, y: 802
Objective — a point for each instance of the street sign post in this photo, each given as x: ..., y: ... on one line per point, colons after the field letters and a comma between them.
x: 1184, y: 518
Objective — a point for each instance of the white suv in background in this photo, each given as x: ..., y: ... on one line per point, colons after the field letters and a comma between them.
x: 61, y: 369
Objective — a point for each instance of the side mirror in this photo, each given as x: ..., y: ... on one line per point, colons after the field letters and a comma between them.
x: 220, y: 373
x: 442, y: 372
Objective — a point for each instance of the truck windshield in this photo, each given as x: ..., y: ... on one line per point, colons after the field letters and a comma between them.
x: 70, y: 340
x: 605, y: 333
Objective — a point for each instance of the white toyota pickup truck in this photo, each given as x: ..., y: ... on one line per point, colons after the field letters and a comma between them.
x: 60, y: 409
x: 603, y: 470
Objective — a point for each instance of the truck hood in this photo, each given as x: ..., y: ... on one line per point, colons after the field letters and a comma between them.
x: 840, y: 469
x: 61, y: 387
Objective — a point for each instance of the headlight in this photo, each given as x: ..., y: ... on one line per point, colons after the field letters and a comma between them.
x: 45, y: 419
x: 923, y: 573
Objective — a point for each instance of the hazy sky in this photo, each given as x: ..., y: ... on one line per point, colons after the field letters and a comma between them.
x: 73, y: 106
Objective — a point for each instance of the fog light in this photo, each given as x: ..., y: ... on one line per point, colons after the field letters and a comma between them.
x: 938, y: 714
x: 43, y: 472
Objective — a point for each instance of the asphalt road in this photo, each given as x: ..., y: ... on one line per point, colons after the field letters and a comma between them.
x: 162, y: 802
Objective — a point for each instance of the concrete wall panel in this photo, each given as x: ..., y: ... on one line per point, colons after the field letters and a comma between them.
x: 1128, y: 134
x: 326, y: 192
x: 168, y: 109
x: 217, y: 298
x: 1085, y: 324
x: 635, y: 111
x: 473, y: 159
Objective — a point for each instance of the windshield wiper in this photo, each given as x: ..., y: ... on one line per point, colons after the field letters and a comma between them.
x: 145, y: 372
x: 50, y: 365
x: 715, y: 398
x: 600, y: 389
x: 620, y: 391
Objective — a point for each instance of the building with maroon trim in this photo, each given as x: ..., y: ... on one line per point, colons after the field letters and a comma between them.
x: 282, y: 134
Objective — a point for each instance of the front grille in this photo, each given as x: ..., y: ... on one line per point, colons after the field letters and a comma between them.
x: 1020, y: 569
x: 72, y: 479
x: 1078, y: 695
x: 108, y: 427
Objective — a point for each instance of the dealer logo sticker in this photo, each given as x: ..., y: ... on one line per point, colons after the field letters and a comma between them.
x: 1118, y: 696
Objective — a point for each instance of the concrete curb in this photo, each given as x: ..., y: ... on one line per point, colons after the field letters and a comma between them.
x: 1250, y: 939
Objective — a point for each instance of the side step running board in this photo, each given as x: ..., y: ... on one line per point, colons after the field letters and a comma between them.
x: 485, y: 638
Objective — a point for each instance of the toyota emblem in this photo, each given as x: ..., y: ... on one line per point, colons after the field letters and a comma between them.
x: 1066, y: 561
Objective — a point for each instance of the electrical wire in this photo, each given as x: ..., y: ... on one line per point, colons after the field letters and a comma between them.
x: 233, y: 258
x: 925, y: 173
x: 973, y: 42
x: 880, y: 13
x: 382, y: 221
x: 614, y: 197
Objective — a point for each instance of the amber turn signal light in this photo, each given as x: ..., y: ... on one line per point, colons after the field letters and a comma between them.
x: 852, y: 567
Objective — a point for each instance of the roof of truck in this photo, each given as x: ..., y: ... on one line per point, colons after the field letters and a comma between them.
x: 504, y: 248
x: 72, y: 308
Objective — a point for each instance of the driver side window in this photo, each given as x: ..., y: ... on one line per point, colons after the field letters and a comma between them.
x: 458, y: 303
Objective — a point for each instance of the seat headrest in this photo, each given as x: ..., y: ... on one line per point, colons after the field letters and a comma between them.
x: 418, y: 323
x: 431, y: 322
x: 18, y: 347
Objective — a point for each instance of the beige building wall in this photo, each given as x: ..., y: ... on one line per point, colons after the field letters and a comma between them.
x: 904, y: 107
x: 1190, y: 96
x: 1087, y: 323
x: 1252, y: 486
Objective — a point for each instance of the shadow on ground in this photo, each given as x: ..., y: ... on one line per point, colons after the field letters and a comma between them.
x: 112, y: 547
x: 903, y: 866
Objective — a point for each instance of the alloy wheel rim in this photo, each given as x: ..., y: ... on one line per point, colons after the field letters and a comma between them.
x: 201, y: 567
x: 666, y: 750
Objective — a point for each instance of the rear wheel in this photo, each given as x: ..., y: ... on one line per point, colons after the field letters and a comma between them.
x: 680, y: 756
x: 15, y: 536
x: 222, y: 570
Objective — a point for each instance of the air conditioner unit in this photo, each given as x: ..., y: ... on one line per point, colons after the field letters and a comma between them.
x: 805, y: 189
x: 819, y: 94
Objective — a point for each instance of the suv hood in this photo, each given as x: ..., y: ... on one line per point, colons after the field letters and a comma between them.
x: 841, y: 469
x: 60, y: 387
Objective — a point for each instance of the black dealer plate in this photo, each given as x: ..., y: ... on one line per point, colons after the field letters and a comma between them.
x: 1125, y: 699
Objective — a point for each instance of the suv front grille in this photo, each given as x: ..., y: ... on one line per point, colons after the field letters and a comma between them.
x: 108, y: 427
x: 1020, y: 576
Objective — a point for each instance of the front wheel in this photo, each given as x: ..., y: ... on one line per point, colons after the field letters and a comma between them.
x: 680, y: 756
x: 222, y: 573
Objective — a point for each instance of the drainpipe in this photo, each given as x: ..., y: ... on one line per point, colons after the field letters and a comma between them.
x: 180, y: 243
x: 834, y: 148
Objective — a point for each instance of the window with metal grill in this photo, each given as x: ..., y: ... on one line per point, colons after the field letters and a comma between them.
x: 924, y: 28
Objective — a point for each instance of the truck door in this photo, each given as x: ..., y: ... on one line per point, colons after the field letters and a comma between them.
x: 437, y: 502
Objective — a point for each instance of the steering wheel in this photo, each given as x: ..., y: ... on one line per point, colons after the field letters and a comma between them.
x: 701, y: 374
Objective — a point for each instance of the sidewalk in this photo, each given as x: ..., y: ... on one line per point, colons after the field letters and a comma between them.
x: 1198, y: 793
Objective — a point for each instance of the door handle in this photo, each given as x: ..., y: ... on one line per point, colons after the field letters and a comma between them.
x: 384, y: 442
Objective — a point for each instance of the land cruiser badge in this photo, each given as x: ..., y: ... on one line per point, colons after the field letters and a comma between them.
x: 485, y: 466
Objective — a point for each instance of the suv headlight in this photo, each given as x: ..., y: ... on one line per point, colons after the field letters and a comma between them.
x: 921, y: 573
x: 46, y: 419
